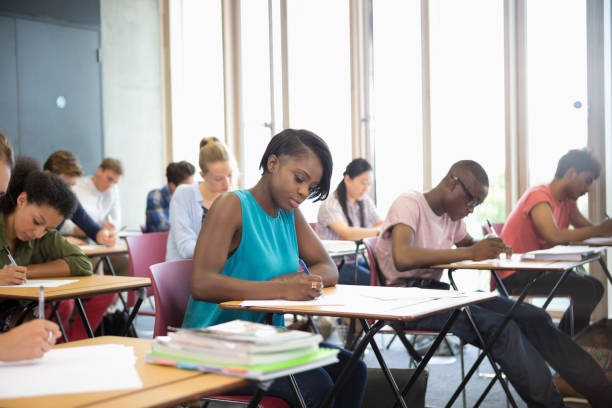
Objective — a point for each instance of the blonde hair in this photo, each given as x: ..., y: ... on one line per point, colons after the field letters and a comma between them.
x: 63, y: 162
x: 212, y: 150
x: 113, y: 165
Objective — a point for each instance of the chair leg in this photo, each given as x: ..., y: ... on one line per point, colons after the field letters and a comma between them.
x: 570, y: 311
x: 463, y: 397
x: 391, y: 341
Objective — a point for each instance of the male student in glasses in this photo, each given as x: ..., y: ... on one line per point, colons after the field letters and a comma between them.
x: 421, y: 229
x: 541, y: 219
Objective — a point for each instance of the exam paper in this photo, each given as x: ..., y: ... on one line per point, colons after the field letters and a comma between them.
x: 323, y: 300
x: 71, y: 370
x: 47, y: 283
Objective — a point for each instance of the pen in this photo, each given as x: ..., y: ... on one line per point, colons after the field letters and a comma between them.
x: 304, y: 267
x: 123, y: 228
x: 41, y: 302
x: 492, y: 233
x: 10, y: 257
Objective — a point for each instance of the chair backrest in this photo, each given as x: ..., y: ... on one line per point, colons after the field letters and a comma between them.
x: 313, y: 225
x: 171, y: 290
x: 497, y: 226
x: 145, y: 250
x: 376, y: 278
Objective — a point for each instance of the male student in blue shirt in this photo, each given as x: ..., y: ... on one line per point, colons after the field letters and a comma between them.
x: 158, y: 200
x: 65, y: 164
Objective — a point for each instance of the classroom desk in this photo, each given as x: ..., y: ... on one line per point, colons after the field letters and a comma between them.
x: 537, y: 267
x: 359, y: 304
x: 84, y: 287
x: 101, y: 250
x: 340, y: 248
x: 162, y: 386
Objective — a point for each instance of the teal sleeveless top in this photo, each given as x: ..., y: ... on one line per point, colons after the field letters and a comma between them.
x: 268, y: 248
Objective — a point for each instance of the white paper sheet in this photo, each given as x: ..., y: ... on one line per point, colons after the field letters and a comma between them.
x: 599, y: 241
x: 72, y: 370
x: 405, y: 294
x: 324, y: 300
x: 47, y: 283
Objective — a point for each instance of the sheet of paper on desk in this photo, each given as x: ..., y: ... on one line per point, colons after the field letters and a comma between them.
x: 388, y: 293
x: 598, y: 241
x: 324, y: 300
x: 72, y: 370
x: 93, y: 247
x: 563, y: 253
x: 47, y: 283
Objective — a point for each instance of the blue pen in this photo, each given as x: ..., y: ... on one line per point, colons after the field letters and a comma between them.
x: 304, y: 267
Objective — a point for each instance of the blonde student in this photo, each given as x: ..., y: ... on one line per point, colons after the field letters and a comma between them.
x: 190, y: 202
x: 350, y: 214
x: 249, y: 248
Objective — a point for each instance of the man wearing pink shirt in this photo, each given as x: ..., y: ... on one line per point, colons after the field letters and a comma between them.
x: 542, y: 218
x: 421, y: 229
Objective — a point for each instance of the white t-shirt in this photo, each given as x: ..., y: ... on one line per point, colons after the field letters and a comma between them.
x: 101, y: 206
x: 431, y: 231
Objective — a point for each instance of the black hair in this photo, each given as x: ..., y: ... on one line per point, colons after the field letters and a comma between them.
x: 355, y: 168
x: 299, y: 142
x: 41, y: 188
x: 580, y: 160
x: 474, y: 168
x: 177, y: 172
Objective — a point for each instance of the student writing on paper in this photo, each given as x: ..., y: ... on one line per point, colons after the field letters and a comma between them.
x: 33, y: 205
x: 28, y: 341
x: 249, y: 248
x: 542, y: 218
x: 158, y: 200
x: 421, y: 229
x: 65, y: 164
x: 190, y: 203
x: 99, y: 195
x: 350, y: 214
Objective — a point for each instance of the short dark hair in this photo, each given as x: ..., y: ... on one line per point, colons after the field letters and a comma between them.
x: 6, y: 151
x: 300, y: 142
x: 580, y: 160
x: 63, y: 162
x: 473, y: 168
x: 41, y: 188
x: 179, y: 171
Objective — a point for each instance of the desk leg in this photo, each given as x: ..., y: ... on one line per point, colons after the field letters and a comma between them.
x: 605, y: 268
x: 555, y: 288
x: 142, y: 294
x: 498, y: 374
x: 255, y: 400
x: 79, y: 304
x: 109, y: 265
x: 499, y: 283
x: 430, y: 352
x: 351, y: 362
x: 296, y: 391
x: 492, y: 339
x: 55, y: 314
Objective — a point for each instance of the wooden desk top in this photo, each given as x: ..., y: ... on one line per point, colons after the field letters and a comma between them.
x: 358, y: 305
x: 162, y: 386
x: 101, y: 250
x: 85, y: 285
x: 532, y: 266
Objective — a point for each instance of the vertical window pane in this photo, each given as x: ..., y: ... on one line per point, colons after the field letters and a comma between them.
x: 255, y: 85
x: 319, y: 77
x: 196, y: 75
x: 396, y: 99
x: 467, y: 95
x: 557, y: 85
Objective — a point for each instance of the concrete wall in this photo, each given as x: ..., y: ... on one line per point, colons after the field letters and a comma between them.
x: 132, y: 99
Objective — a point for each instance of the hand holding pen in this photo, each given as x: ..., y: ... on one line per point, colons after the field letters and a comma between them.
x: 493, y: 234
x: 12, y: 274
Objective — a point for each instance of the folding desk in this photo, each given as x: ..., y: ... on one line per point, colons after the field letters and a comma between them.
x: 359, y: 303
x: 162, y: 386
x: 84, y: 287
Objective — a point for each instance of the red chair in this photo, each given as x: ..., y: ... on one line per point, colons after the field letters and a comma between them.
x: 145, y: 250
x: 313, y: 225
x: 171, y: 289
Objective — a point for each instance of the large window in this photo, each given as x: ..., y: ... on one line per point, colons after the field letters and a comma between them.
x: 396, y: 100
x: 197, y: 76
x: 556, y: 85
x: 320, y: 77
x: 467, y: 95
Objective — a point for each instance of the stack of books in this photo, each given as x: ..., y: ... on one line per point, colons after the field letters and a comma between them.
x: 563, y: 253
x: 244, y: 349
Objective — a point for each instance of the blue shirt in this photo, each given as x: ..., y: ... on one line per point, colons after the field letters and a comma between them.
x: 158, y: 207
x: 82, y: 220
x: 268, y: 248
x: 185, y: 222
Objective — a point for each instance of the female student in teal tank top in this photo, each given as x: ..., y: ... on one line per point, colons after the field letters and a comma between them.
x: 249, y: 248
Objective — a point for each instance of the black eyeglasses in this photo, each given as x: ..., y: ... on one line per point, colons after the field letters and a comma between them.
x: 472, y: 201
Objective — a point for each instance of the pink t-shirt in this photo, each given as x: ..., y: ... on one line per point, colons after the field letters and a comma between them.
x: 430, y: 231
x: 519, y: 230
